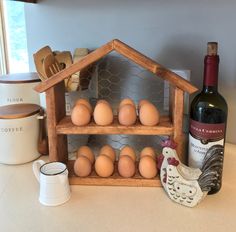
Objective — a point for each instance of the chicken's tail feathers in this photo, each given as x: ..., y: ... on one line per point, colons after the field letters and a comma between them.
x: 212, y: 168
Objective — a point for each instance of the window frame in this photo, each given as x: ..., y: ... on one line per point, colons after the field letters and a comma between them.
x: 30, y: 1
x: 4, y: 62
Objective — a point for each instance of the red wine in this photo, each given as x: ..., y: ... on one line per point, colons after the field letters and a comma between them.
x: 208, y: 115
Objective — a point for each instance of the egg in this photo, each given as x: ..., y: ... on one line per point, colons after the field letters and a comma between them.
x: 127, y: 101
x: 148, y: 151
x: 86, y: 103
x: 87, y: 152
x: 103, y: 114
x: 147, y: 167
x: 126, y: 166
x: 80, y: 115
x: 104, y: 166
x: 82, y: 166
x: 103, y: 101
x: 129, y: 151
x: 142, y: 102
x: 127, y: 115
x: 149, y: 115
x: 108, y: 151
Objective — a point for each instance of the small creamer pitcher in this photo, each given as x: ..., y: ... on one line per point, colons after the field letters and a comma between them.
x: 53, y: 180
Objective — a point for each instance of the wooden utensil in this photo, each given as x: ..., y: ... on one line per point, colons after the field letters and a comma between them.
x: 39, y: 57
x: 79, y: 54
x: 51, y: 66
x: 43, y: 139
x: 65, y: 60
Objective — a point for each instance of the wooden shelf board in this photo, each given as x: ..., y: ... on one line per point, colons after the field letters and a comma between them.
x: 115, y: 180
x: 165, y: 127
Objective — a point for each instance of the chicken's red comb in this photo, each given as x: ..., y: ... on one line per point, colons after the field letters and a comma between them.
x: 169, y: 143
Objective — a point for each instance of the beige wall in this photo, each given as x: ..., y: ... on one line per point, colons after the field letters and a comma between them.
x: 174, y: 33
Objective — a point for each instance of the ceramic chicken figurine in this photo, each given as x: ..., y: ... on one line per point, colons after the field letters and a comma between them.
x: 185, y: 185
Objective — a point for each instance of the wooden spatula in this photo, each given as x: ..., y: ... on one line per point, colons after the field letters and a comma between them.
x: 51, y: 66
x: 65, y: 60
x: 39, y: 57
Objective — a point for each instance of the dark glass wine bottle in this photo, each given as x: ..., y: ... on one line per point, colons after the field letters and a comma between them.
x: 208, y: 115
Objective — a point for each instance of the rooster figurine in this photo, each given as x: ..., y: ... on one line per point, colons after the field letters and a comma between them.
x: 185, y: 185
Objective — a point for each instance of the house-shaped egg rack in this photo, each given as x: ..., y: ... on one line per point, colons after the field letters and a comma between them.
x: 59, y: 125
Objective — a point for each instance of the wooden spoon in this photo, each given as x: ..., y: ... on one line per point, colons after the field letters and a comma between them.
x: 39, y: 57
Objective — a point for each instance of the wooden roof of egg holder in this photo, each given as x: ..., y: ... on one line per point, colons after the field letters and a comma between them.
x: 59, y: 125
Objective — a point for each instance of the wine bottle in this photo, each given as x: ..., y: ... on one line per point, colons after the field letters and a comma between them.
x: 208, y: 114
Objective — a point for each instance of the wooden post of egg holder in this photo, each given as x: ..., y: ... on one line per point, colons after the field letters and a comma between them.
x: 60, y: 125
x: 55, y: 103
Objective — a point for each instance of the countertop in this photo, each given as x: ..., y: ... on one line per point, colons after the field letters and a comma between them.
x: 113, y: 209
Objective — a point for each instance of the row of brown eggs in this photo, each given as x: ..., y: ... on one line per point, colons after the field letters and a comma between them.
x: 104, y: 163
x: 103, y: 114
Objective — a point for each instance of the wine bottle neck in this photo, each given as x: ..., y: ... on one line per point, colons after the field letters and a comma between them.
x: 211, y: 68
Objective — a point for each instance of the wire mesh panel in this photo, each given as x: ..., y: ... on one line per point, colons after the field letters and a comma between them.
x: 115, y: 78
x: 119, y: 78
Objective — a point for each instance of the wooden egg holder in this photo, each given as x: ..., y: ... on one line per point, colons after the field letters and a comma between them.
x: 60, y: 125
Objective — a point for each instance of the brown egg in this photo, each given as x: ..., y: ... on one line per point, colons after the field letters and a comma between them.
x: 149, y: 115
x: 87, y: 152
x: 82, y: 166
x: 147, y: 167
x: 127, y: 101
x: 108, y: 151
x: 80, y: 115
x: 129, y: 151
x: 86, y: 103
x: 103, y: 101
x: 142, y: 102
x: 103, y: 114
x: 126, y: 166
x: 148, y: 151
x: 127, y: 115
x: 104, y: 166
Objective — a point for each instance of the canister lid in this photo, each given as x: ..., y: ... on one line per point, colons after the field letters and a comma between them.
x: 20, y: 78
x: 18, y: 111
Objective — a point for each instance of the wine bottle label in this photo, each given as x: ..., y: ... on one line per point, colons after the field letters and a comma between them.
x: 203, y: 136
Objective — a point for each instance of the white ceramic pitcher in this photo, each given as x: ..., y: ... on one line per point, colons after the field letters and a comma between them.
x: 53, y: 180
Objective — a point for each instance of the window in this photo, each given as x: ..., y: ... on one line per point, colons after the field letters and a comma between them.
x: 14, y: 31
x: 3, y: 65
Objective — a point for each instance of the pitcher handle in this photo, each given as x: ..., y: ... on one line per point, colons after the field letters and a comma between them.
x: 36, y: 166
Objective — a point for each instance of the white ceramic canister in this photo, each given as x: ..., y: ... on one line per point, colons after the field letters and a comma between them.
x: 19, y: 133
x: 19, y: 88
